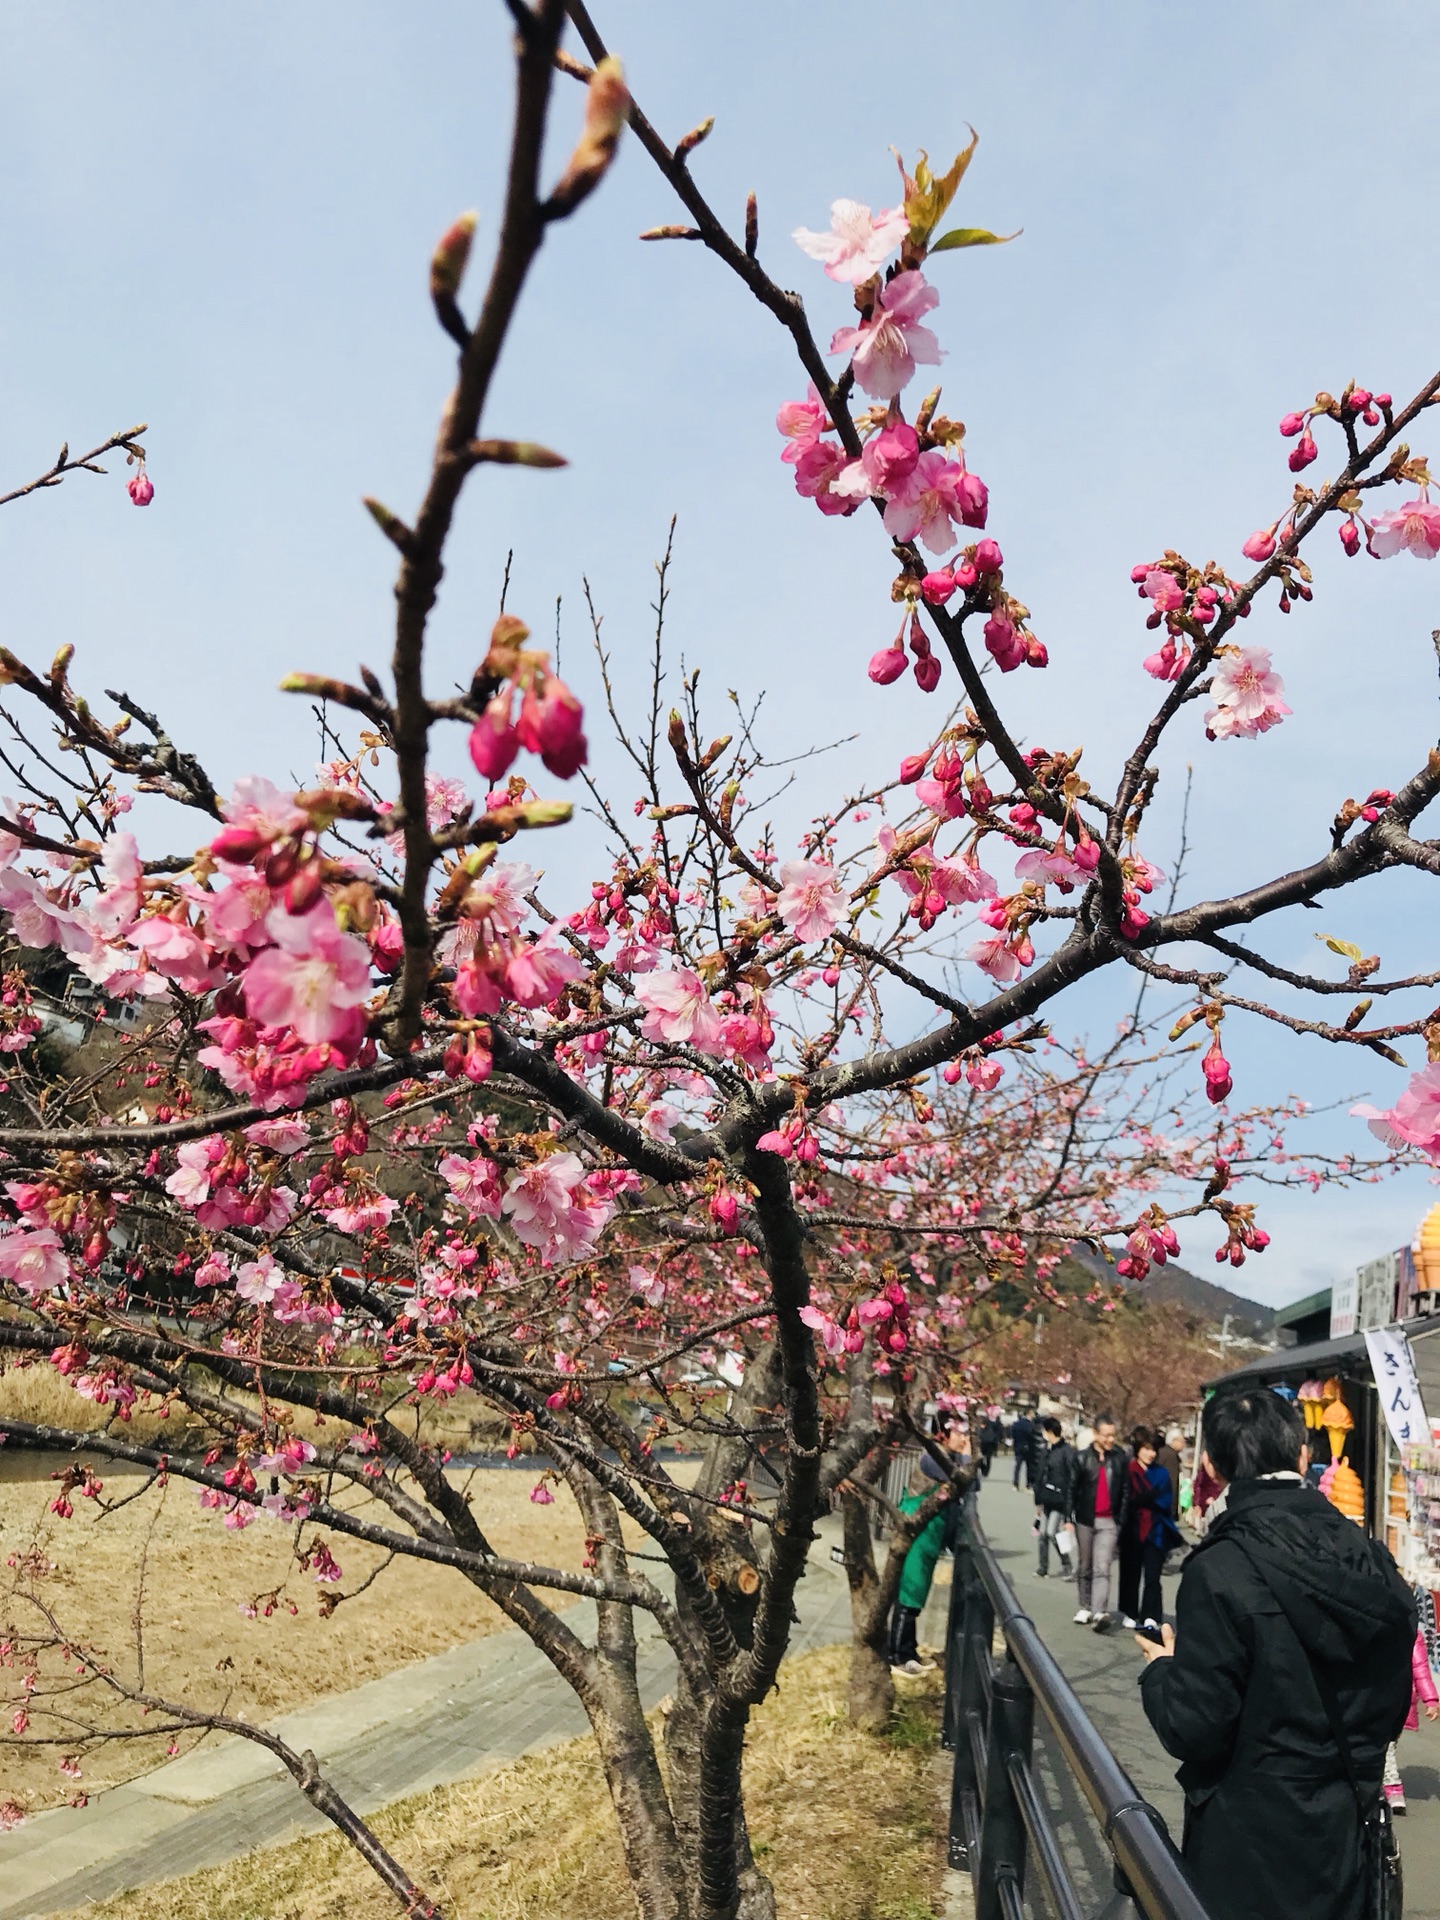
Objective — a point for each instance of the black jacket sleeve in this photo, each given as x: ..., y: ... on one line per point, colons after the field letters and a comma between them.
x: 1193, y: 1700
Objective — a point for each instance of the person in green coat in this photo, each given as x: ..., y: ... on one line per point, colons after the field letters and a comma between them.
x: 916, y: 1578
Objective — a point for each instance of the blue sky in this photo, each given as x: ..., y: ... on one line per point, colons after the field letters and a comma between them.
x: 218, y: 220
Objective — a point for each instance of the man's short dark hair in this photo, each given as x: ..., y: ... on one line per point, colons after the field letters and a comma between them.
x: 1104, y: 1419
x: 1052, y: 1425
x: 1251, y: 1433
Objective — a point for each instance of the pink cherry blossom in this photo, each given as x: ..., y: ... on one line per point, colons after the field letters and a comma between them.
x: 1249, y: 697
x: 546, y: 1205
x: 801, y: 422
x: 1414, y: 1120
x: 474, y: 1184
x: 816, y: 471
x: 117, y: 907
x: 936, y: 493
x: 678, y: 1010
x: 176, y: 950
x: 1411, y: 528
x: 365, y: 1214
x: 886, y: 463
x: 34, y: 1259
x: 141, y: 488
x: 811, y: 901
x: 258, y: 1281
x: 888, y: 347
x: 858, y: 242
x: 279, y: 1136
x: 262, y: 809
x: 313, y: 980
x: 535, y: 974
x: 995, y: 958
x: 1163, y: 589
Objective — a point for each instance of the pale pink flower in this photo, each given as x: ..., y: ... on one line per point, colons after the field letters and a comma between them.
x: 649, y: 1286
x: 1411, y: 528
x: 279, y: 1136
x: 658, y: 1120
x: 811, y: 901
x: 34, y: 1259
x: 190, y: 1182
x: 113, y: 910
x: 365, y: 1214
x: 1051, y: 867
x: 474, y: 1184
x: 678, y: 1010
x: 535, y: 974
x: 1164, y: 590
x: 175, y: 949
x: 1414, y: 1120
x: 261, y: 806
x: 312, y: 979
x: 546, y: 1213
x: 936, y: 493
x: 494, y: 906
x: 801, y: 422
x: 886, y: 350
x: 213, y: 1271
x: 1249, y: 697
x: 956, y: 882
x: 858, y: 242
x: 259, y: 1281
x: 995, y: 958
x: 235, y: 914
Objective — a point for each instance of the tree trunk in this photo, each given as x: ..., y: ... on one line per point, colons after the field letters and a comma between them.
x: 872, y: 1688
x: 655, y: 1857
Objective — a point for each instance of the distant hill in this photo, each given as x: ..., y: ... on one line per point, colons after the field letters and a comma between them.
x: 1200, y: 1297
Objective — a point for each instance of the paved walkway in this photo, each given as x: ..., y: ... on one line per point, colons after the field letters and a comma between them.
x: 463, y: 1712
x: 1104, y: 1670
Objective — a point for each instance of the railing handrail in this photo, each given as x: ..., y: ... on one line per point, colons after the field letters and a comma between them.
x: 1134, y: 1831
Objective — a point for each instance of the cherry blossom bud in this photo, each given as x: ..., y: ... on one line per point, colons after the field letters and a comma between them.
x: 1005, y: 645
x: 1260, y: 545
x: 911, y: 768
x: 951, y: 1072
x: 1350, y: 537
x: 965, y: 576
x: 927, y: 673
x: 1358, y: 400
x: 936, y: 588
x: 607, y: 106
x: 1037, y: 654
x: 1138, y: 574
x: 1216, y: 1069
x: 1302, y: 453
x: 724, y: 1211
x: 831, y: 976
x: 141, y: 489
x: 494, y: 742
x: 988, y: 557
x: 1292, y: 424
x: 919, y: 640
x: 887, y: 665
x: 447, y: 263
x: 240, y: 844
x: 1382, y: 399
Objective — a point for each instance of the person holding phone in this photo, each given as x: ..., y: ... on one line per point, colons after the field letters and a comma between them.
x: 1286, y: 1676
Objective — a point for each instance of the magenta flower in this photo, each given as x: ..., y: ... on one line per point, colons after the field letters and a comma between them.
x: 936, y: 493
x: 550, y: 1209
x: 1216, y: 1069
x: 1412, y: 528
x: 1163, y: 589
x: 858, y: 242
x: 811, y: 901
x: 1249, y: 698
x: 141, y: 488
x: 888, y: 347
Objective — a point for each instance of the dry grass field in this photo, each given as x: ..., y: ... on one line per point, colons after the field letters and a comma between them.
x: 846, y: 1823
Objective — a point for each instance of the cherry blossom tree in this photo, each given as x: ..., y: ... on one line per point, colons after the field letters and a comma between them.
x: 382, y: 1124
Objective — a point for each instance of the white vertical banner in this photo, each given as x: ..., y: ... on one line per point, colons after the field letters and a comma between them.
x: 1393, y: 1365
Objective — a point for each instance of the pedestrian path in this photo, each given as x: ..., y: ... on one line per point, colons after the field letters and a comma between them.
x: 463, y: 1712
x: 1104, y: 1670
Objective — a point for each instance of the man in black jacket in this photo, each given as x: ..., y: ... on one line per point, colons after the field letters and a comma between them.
x: 1054, y: 1485
x: 1022, y: 1434
x: 1101, y: 1496
x: 1284, y: 1603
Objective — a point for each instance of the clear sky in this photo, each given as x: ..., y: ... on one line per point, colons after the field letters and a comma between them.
x: 219, y: 219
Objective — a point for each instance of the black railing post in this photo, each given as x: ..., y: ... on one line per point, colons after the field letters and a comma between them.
x: 961, y: 1577
x: 971, y: 1706
x: 1002, y: 1827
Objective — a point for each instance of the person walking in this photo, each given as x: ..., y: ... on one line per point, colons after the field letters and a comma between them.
x: 989, y: 1439
x: 1099, y: 1502
x: 1053, y: 1483
x: 1022, y: 1439
x: 1148, y: 1534
x: 1170, y: 1455
x: 1422, y: 1693
x: 1287, y: 1673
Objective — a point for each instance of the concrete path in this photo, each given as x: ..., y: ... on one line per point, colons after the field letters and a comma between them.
x: 458, y: 1713
x: 1104, y: 1670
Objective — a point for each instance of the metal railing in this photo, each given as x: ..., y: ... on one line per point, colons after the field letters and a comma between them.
x: 999, y: 1824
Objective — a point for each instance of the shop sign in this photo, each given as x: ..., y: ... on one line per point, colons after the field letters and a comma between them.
x: 1393, y: 1365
